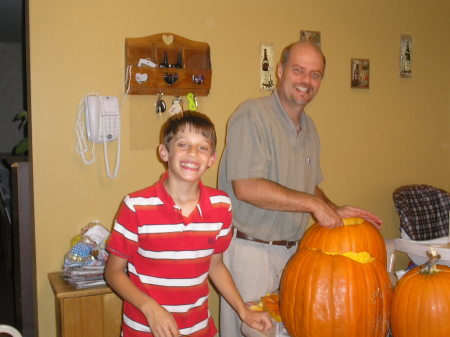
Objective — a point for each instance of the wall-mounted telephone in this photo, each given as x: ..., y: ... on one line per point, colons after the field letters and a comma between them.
x: 99, y: 120
x: 102, y: 118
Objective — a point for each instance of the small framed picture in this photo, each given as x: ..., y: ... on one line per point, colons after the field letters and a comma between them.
x: 312, y: 36
x: 359, y: 73
x: 405, y: 55
x: 266, y: 67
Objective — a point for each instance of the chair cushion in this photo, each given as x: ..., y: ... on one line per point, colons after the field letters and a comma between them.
x: 423, y: 211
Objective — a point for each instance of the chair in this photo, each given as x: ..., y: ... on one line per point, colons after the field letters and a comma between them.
x: 9, y: 330
x: 423, y: 211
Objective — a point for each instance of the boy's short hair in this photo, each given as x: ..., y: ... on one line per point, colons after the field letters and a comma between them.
x: 195, y: 121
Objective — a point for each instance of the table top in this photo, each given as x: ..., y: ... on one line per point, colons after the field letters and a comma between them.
x: 63, y: 289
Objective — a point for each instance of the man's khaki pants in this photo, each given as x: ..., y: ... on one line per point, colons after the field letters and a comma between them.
x: 256, y: 269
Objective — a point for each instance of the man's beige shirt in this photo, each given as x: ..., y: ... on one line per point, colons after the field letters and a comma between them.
x: 262, y: 142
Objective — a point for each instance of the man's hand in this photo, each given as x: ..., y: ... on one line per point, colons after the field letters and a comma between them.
x: 329, y: 217
x: 325, y: 213
x: 356, y: 212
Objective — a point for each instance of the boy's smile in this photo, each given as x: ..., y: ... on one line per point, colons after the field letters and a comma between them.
x: 190, y: 166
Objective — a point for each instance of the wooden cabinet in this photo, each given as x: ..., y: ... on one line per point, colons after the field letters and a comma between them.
x: 182, y: 65
x: 94, y: 312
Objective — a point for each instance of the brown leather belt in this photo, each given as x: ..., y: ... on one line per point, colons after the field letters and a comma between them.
x: 287, y: 244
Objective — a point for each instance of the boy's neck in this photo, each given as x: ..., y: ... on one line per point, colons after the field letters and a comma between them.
x: 185, y: 195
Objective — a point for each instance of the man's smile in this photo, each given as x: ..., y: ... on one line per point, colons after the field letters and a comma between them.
x: 302, y: 88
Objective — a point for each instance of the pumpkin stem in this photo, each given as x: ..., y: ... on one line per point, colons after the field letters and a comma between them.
x: 430, y: 267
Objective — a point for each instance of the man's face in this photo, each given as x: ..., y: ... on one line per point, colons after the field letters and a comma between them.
x: 301, y: 76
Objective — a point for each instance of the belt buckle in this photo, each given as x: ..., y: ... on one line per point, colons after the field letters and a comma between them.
x: 290, y: 244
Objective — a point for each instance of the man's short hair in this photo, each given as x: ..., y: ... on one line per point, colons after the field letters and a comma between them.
x: 193, y: 120
x: 287, y: 51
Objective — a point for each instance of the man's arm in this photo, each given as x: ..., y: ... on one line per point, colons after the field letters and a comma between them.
x: 220, y: 276
x: 267, y: 194
x: 161, y: 321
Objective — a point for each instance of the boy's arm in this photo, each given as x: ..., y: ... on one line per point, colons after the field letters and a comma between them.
x: 161, y: 321
x: 221, y: 277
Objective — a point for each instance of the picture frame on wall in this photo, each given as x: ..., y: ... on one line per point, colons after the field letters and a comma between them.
x: 359, y: 73
x: 405, y: 55
x: 266, y: 67
x: 310, y: 35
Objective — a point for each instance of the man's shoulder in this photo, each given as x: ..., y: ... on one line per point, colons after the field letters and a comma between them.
x: 253, y: 107
x: 254, y: 103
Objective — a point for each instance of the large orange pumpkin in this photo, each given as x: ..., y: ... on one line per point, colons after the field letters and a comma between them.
x: 421, y: 303
x: 356, y: 235
x: 332, y: 295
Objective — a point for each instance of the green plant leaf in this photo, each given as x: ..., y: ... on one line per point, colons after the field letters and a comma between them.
x: 22, y: 147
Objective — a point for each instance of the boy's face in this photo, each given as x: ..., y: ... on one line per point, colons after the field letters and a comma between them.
x: 189, y: 155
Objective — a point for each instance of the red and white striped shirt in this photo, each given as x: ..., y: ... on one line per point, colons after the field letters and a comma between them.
x: 169, y: 254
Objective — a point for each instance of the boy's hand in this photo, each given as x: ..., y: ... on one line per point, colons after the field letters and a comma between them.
x: 160, y: 321
x: 259, y: 320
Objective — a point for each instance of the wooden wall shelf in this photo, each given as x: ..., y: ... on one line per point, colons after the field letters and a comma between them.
x: 195, y: 64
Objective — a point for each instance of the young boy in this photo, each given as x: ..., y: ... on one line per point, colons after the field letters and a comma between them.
x: 171, y: 237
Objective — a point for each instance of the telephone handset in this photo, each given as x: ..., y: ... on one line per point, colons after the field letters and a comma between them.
x: 102, y: 118
x: 101, y: 124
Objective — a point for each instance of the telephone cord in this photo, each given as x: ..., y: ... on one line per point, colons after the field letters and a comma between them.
x: 81, y: 145
x: 105, y: 151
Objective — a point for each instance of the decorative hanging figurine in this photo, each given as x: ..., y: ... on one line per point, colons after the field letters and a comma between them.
x: 192, y: 99
x: 177, y: 106
x: 160, y: 104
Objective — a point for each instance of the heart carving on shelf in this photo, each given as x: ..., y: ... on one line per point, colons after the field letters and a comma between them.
x: 168, y: 39
x: 170, y: 78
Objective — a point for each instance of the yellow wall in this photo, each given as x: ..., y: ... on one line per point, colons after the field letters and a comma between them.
x: 395, y: 133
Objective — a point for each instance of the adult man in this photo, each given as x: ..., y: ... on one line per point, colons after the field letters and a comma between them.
x: 271, y: 170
